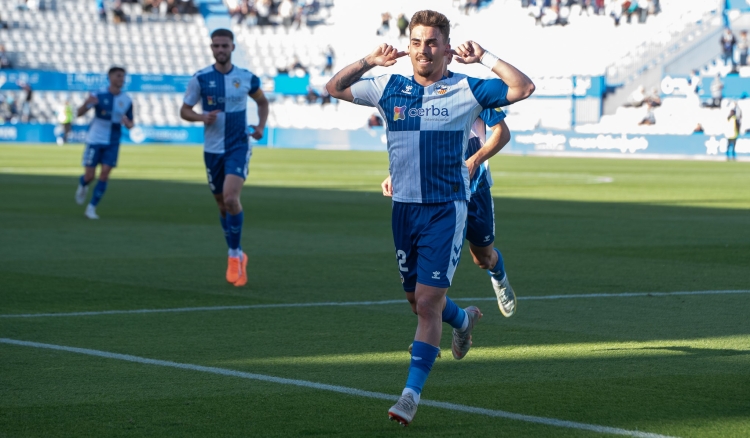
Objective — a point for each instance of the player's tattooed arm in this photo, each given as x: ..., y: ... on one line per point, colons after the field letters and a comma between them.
x: 340, y: 84
x: 348, y: 77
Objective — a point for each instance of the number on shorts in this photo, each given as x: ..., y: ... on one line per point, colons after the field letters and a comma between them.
x: 401, y: 260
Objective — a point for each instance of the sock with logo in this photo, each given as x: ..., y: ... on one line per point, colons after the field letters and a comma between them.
x: 422, y: 358
x: 101, y: 187
x: 82, y: 181
x: 454, y: 315
x: 224, y: 227
x: 499, y: 270
x: 234, y: 225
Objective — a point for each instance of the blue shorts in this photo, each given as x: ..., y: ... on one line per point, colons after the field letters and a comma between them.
x: 428, y: 240
x: 218, y: 166
x: 95, y: 154
x: 480, y: 226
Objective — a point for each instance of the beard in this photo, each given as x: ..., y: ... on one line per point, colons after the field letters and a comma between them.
x: 222, y: 59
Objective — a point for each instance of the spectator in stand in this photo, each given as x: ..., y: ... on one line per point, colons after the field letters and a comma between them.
x: 312, y: 95
x: 263, y: 9
x: 374, y: 121
x: 732, y: 132
x: 636, y: 98
x: 615, y: 8
x: 26, y: 115
x: 585, y: 5
x: 101, y: 10
x: 599, y: 8
x: 286, y: 13
x: 717, y: 93
x: 330, y: 56
x: 402, y: 23
x: 118, y: 15
x: 728, y: 41
x: 650, y: 118
x: 742, y: 46
x: 385, y: 24
x: 653, y: 99
x: 698, y: 129
x: 296, y: 68
x: 5, y: 62
x: 695, y: 81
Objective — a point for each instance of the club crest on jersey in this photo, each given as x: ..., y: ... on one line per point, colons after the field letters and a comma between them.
x: 441, y: 89
x: 210, y: 100
x: 399, y: 113
x: 236, y: 83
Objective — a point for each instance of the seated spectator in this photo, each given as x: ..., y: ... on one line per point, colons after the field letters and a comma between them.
x: 650, y: 119
x: 698, y: 129
x: 653, y: 98
x: 742, y: 46
x: 118, y: 15
x: 312, y: 95
x: 101, y: 10
x: 5, y: 62
x: 636, y: 98
x: 374, y: 121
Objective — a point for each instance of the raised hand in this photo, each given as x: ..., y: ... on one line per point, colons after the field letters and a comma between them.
x: 384, y: 55
x: 210, y: 118
x: 468, y: 53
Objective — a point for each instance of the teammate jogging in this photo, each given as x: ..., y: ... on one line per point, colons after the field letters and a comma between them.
x: 429, y: 118
x: 222, y: 89
x: 112, y: 109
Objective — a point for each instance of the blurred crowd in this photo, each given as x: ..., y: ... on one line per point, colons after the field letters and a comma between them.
x: 14, y: 109
x: 121, y: 11
x: 288, y: 13
x: 557, y: 12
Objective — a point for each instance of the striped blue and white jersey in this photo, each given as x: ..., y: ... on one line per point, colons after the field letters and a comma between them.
x: 482, y: 179
x: 106, y: 126
x: 428, y: 131
x: 227, y: 93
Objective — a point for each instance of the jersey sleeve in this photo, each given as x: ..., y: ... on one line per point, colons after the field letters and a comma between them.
x: 129, y: 112
x: 492, y: 116
x: 490, y: 93
x: 367, y: 92
x: 254, y: 84
x: 193, y: 93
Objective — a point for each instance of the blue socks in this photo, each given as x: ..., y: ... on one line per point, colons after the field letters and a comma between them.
x: 99, y: 190
x: 453, y: 315
x: 499, y: 269
x: 224, y: 227
x: 83, y: 182
x: 234, y: 225
x: 422, y: 358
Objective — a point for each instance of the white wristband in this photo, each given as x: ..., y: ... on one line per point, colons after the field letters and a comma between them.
x: 488, y: 60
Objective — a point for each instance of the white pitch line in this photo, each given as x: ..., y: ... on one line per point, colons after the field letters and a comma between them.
x: 340, y: 389
x: 366, y: 303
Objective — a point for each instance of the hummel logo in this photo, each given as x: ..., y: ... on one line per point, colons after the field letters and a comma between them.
x: 407, y: 89
x: 436, y: 275
x: 211, y: 84
x: 457, y: 249
x: 486, y: 238
x: 455, y: 260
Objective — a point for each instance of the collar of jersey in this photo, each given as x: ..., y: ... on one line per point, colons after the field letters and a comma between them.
x: 225, y: 74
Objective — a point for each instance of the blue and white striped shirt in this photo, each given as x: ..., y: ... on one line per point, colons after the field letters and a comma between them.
x: 227, y: 93
x: 106, y: 126
x: 428, y: 131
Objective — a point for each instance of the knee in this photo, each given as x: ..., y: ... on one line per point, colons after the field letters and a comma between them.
x: 427, y: 308
x: 232, y: 203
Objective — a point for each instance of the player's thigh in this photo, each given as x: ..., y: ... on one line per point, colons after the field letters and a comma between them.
x: 109, y: 155
x: 480, y: 223
x: 92, y: 155
x: 440, y: 243
x: 214, y: 171
x: 405, y: 230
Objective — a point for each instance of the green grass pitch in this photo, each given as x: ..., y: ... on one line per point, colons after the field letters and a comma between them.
x: 317, y: 229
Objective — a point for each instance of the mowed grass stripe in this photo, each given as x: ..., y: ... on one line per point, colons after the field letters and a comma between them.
x: 339, y: 389
x: 368, y: 303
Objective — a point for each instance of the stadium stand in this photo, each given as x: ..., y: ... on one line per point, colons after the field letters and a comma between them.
x: 70, y: 36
